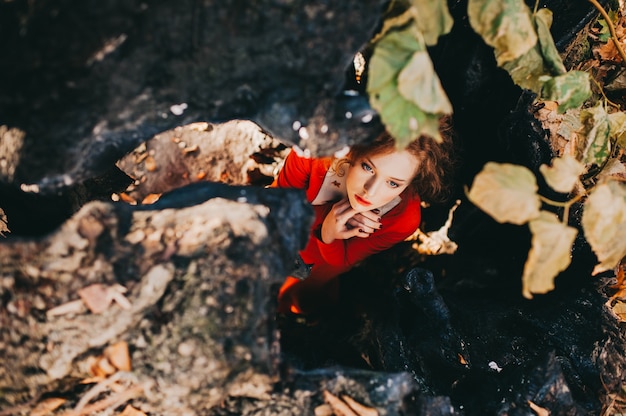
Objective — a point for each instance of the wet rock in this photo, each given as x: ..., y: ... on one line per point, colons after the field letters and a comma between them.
x: 88, y: 83
x: 197, y: 283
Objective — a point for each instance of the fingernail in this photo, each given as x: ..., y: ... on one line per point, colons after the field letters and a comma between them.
x: 376, y: 211
x: 361, y: 230
x: 380, y: 226
x: 380, y: 219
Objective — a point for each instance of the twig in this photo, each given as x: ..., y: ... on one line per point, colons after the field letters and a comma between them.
x: 83, y: 408
x: 606, y: 99
x: 96, y: 390
x: 609, y: 23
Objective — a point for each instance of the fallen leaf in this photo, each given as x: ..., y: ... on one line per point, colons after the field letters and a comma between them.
x: 323, y: 410
x: 118, y: 355
x: 131, y: 411
x: 3, y: 223
x: 340, y: 408
x: 127, y: 198
x: 619, y: 309
x: 190, y: 149
x: 96, y: 297
x: 151, y: 165
x: 620, y: 283
x: 47, y: 406
x: 360, y: 409
x: 540, y: 411
x: 201, y: 175
x: 100, y: 367
x: 151, y: 198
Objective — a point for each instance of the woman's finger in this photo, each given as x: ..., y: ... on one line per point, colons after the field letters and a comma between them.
x: 360, y: 220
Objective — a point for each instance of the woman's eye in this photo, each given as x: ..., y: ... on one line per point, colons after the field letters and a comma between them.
x: 393, y: 184
x: 366, y: 167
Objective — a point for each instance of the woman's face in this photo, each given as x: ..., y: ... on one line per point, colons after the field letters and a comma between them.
x: 374, y: 180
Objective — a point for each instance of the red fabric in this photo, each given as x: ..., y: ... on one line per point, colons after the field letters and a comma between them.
x: 330, y: 260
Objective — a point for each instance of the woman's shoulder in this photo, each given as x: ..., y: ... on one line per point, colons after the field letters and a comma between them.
x: 312, y: 163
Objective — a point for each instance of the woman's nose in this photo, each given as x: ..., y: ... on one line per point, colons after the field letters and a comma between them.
x: 371, y: 185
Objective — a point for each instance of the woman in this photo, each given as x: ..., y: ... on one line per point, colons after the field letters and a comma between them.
x: 364, y: 203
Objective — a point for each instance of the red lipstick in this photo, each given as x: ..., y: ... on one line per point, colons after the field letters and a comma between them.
x: 361, y: 200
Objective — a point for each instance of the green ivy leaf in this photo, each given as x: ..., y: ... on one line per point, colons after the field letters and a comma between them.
x: 605, y: 32
x: 617, y: 125
x: 563, y: 174
x: 404, y: 88
x: 433, y: 19
x: 604, y: 224
x: 419, y: 84
x: 507, y: 192
x: 390, y: 55
x: 595, y: 133
x: 550, y: 253
x: 570, y: 124
x: 570, y: 90
x: 403, y: 119
x: 527, y: 70
x: 538, y: 68
x: 551, y: 57
x: 504, y: 24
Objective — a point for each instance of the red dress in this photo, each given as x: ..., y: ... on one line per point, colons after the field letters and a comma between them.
x: 320, y: 289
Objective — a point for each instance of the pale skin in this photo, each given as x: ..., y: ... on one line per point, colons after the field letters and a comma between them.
x: 371, y: 182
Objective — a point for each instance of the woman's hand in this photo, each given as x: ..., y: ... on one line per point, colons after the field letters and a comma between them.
x: 368, y: 221
x: 344, y: 222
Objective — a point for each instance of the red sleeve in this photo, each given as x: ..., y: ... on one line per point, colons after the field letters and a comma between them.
x: 295, y: 172
x: 394, y: 230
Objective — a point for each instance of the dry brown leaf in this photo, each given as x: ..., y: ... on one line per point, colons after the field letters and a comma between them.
x: 360, y: 409
x: 3, y: 223
x: 323, y: 410
x: 619, y: 309
x: 608, y: 51
x: 190, y: 149
x: 462, y: 359
x: 131, y: 411
x: 100, y: 367
x: 47, y: 406
x: 151, y: 165
x: 118, y: 355
x: 619, y: 276
x: 201, y: 175
x: 540, y: 411
x: 127, y: 198
x: 96, y: 297
x: 151, y: 198
x: 340, y: 408
x: 92, y: 380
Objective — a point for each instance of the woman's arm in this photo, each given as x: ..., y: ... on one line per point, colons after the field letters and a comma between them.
x: 295, y: 173
x: 347, y: 252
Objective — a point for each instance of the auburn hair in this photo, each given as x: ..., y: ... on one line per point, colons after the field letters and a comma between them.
x: 435, y: 161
